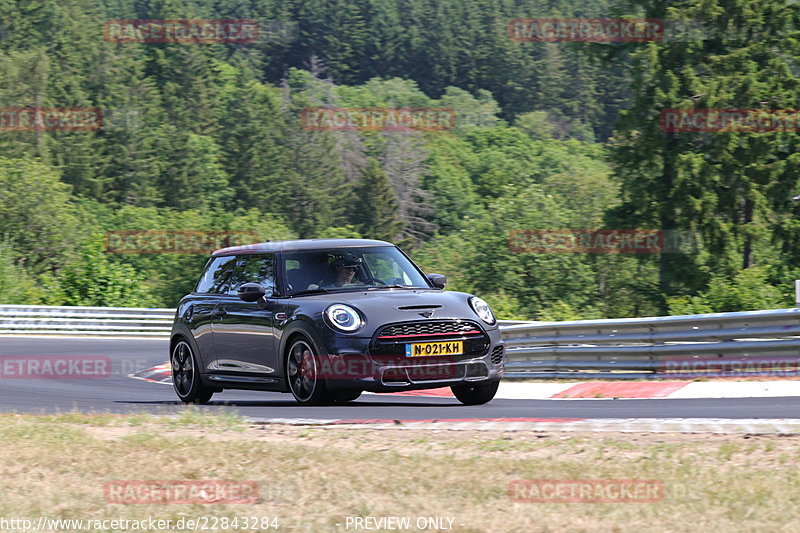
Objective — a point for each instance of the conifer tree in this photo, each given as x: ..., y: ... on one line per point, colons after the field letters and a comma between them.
x: 725, y: 185
x: 375, y: 208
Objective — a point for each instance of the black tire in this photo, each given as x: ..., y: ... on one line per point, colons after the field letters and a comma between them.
x: 345, y: 395
x: 185, y: 377
x: 475, y: 393
x: 303, y: 373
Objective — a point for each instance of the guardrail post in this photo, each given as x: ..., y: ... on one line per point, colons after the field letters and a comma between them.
x: 797, y: 293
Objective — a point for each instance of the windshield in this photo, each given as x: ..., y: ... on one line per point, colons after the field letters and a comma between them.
x: 373, y: 268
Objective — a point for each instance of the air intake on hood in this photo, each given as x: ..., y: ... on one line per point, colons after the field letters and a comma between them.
x: 417, y: 307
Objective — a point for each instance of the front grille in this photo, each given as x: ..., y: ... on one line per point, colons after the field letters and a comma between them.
x: 429, y: 328
x: 497, y: 355
x: 391, y: 341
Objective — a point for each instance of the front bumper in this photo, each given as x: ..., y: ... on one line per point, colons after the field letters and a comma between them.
x: 377, y: 365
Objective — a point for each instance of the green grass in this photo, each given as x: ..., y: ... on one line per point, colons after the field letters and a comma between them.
x: 313, y: 478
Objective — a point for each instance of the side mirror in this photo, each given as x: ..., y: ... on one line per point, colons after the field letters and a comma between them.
x: 251, y: 292
x: 438, y: 280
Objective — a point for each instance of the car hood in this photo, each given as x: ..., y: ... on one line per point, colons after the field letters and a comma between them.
x: 404, y: 305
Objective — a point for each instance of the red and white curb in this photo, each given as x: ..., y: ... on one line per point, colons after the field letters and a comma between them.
x: 778, y: 426
x: 156, y: 374
x: 599, y: 390
x: 608, y: 390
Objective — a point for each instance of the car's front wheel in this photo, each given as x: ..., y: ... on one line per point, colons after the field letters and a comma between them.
x: 303, y: 372
x: 185, y: 375
x: 475, y: 393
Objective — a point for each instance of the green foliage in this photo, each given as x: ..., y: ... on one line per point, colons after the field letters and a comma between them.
x: 536, y: 125
x: 169, y: 276
x: 734, y: 188
x: 36, y: 217
x: 209, y: 138
x: 343, y: 232
x: 377, y: 92
x: 478, y: 257
x: 375, y: 209
x: 507, y: 155
x: 16, y: 286
x: 448, y: 179
x: 505, y: 306
x: 205, y: 171
x: 94, y: 280
x: 559, y: 311
x: 471, y: 111
x: 749, y: 290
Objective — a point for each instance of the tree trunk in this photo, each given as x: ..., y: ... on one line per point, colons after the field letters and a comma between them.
x: 747, y: 254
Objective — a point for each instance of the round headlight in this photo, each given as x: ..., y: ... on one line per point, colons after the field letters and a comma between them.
x: 483, y: 310
x: 343, y: 317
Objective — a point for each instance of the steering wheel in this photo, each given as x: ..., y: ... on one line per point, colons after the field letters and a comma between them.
x: 376, y: 280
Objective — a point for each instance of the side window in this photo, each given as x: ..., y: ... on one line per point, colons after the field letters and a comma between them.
x: 253, y: 269
x: 214, y: 279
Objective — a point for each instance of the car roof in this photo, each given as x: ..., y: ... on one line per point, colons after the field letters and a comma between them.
x: 299, y: 244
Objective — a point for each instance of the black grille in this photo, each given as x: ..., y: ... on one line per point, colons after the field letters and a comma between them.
x: 429, y: 328
x: 497, y: 355
x: 393, y: 339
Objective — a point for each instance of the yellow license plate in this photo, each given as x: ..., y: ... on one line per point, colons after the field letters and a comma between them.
x: 430, y: 349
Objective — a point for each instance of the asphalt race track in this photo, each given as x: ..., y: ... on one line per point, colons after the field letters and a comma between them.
x: 119, y: 393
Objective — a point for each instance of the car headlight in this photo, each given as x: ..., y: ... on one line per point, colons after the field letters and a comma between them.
x: 343, y: 317
x: 483, y: 310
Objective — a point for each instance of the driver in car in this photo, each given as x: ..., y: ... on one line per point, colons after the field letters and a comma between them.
x: 342, y: 274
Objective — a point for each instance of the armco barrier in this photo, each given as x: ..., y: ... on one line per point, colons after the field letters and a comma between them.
x: 100, y: 321
x: 609, y: 348
x: 93, y: 321
x: 643, y: 347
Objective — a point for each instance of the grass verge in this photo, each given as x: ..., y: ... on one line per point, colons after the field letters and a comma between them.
x: 312, y: 479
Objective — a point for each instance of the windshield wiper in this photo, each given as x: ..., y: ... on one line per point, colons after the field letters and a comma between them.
x: 395, y: 286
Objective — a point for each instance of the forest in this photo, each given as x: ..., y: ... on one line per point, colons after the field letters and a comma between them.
x: 561, y: 135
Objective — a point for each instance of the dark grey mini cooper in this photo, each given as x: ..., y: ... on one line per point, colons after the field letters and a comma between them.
x: 327, y: 319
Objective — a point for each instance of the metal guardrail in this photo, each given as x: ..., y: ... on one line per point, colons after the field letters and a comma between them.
x: 77, y: 321
x: 95, y: 321
x: 615, y: 348
x: 653, y: 347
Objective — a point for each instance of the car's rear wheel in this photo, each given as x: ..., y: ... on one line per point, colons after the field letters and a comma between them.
x: 185, y: 375
x: 303, y: 372
x: 475, y: 393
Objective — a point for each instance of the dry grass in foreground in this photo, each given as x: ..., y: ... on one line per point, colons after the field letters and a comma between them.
x: 314, y: 479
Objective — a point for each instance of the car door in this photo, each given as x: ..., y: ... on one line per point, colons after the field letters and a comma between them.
x: 244, y: 332
x: 198, y: 309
